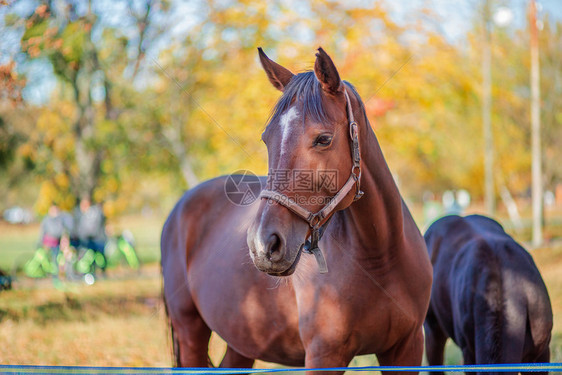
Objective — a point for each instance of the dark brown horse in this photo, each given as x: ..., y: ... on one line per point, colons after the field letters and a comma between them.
x: 374, y: 297
x: 487, y: 295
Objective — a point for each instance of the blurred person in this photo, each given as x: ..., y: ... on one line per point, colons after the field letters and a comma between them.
x: 91, y: 230
x: 52, y: 231
x: 69, y: 245
x: 73, y: 235
x: 67, y: 221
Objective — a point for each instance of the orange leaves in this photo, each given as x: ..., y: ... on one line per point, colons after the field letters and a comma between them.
x: 11, y: 85
x: 425, y: 94
x: 377, y: 107
x: 42, y: 10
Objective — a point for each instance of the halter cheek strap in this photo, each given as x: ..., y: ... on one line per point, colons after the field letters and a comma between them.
x: 318, y: 221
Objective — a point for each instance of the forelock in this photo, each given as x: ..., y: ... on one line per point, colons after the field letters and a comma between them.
x: 305, y: 89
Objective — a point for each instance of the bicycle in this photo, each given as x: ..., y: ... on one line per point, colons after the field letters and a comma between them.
x: 41, y: 264
x: 81, y: 263
x: 121, y: 248
x: 5, y: 281
x: 117, y: 249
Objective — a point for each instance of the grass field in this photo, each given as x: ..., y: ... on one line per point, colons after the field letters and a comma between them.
x: 120, y: 321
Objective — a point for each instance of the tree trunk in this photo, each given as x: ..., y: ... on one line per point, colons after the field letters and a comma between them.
x: 188, y: 173
x: 536, y: 168
x: 512, y: 209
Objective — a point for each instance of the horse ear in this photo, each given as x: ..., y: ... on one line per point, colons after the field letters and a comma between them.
x: 278, y: 75
x: 326, y: 72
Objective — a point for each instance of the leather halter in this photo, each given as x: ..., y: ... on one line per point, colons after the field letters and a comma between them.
x: 318, y: 221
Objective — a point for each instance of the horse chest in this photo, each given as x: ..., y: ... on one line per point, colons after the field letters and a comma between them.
x: 356, y: 310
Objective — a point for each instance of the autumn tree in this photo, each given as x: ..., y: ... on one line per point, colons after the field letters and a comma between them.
x: 130, y: 123
x: 79, y: 134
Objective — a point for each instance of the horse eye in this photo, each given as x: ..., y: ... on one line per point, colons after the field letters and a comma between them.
x: 323, y: 140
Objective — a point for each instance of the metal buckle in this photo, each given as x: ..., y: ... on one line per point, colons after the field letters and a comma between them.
x: 356, y: 172
x: 353, y: 130
x: 316, y: 219
x: 354, y: 135
x: 312, y: 243
x: 358, y: 194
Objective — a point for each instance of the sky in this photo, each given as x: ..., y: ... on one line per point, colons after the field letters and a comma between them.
x: 456, y: 18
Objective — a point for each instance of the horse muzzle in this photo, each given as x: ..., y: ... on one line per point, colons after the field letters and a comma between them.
x: 272, y: 251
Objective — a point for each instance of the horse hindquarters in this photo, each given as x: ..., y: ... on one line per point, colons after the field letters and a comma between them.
x: 502, y: 343
x: 517, y: 344
x: 190, y: 334
x: 510, y: 340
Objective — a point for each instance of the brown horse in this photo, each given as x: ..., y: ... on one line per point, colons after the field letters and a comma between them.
x: 374, y: 297
x: 487, y: 295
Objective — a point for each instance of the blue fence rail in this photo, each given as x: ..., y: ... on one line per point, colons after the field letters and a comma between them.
x: 28, y: 369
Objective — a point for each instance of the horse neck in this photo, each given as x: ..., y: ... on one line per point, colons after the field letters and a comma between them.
x: 377, y: 219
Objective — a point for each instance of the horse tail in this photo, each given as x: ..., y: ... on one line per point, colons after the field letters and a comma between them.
x: 169, y: 243
x: 514, y: 329
x: 170, y: 336
x: 488, y: 308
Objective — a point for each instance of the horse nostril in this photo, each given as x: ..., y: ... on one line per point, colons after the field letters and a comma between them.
x: 274, y: 250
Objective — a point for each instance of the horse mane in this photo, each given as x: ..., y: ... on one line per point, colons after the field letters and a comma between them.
x: 306, y: 88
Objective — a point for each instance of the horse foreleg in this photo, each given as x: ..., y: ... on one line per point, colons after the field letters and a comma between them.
x: 408, y: 352
x: 322, y: 355
x: 233, y: 359
x: 191, y: 341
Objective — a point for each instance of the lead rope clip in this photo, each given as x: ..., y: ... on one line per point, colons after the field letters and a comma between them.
x: 311, y: 247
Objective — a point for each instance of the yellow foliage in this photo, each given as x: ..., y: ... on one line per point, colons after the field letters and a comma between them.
x: 47, y: 120
x: 110, y: 209
x: 62, y: 181
x: 112, y: 185
x: 64, y: 146
x: 26, y: 150
x: 47, y: 196
x: 430, y: 131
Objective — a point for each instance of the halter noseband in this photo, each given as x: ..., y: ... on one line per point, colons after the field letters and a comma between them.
x: 318, y: 221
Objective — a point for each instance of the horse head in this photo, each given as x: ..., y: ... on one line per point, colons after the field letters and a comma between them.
x: 312, y: 169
